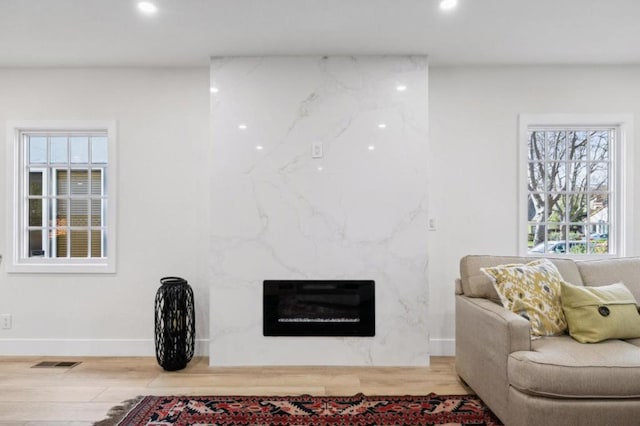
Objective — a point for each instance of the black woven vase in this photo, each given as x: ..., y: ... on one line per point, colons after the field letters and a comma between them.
x: 175, y: 323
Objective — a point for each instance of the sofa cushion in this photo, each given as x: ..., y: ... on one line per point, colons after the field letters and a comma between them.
x: 610, y: 271
x: 595, y: 314
x: 533, y: 292
x: 476, y: 284
x: 634, y: 342
x: 561, y: 367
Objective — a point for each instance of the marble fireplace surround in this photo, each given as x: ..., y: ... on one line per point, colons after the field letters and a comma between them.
x: 357, y: 212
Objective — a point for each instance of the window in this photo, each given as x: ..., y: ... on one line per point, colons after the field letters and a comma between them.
x: 575, y: 184
x: 63, y: 215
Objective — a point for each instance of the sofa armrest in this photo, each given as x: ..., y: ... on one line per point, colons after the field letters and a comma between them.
x: 491, y: 325
x: 486, y: 333
x: 459, y: 289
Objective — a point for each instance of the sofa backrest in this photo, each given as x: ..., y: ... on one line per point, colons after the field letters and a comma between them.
x: 476, y: 284
x: 609, y: 271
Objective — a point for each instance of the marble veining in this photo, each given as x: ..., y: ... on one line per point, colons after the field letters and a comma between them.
x: 359, y: 212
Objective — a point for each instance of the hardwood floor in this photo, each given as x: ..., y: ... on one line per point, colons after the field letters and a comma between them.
x: 83, y: 394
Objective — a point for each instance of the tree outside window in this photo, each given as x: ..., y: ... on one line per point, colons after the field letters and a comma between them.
x: 569, y: 190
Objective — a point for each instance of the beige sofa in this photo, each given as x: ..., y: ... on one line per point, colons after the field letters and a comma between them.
x: 551, y: 380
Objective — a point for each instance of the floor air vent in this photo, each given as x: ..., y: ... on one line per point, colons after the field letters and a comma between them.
x: 56, y: 364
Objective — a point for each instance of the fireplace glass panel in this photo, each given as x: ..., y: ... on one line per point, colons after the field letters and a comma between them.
x: 318, y: 308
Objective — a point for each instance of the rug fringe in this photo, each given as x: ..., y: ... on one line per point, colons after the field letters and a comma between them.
x: 117, y: 413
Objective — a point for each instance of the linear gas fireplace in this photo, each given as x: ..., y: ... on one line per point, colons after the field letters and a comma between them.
x: 318, y: 308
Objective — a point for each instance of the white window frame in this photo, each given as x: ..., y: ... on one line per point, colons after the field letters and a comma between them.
x: 623, y: 156
x: 16, y: 263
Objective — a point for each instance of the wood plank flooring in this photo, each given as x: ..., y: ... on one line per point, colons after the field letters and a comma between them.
x: 83, y: 394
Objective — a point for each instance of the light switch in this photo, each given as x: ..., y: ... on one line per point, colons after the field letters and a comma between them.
x: 316, y: 149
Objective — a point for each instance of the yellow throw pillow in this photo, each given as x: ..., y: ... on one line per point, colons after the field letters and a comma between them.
x: 533, y: 292
x: 595, y: 314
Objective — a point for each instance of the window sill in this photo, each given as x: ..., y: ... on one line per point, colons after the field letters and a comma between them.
x: 61, y: 268
x: 571, y: 256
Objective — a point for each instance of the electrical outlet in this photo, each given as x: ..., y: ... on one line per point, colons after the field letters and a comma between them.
x: 5, y: 319
x: 316, y: 150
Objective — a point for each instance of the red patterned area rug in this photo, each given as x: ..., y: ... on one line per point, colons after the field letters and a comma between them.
x: 305, y: 410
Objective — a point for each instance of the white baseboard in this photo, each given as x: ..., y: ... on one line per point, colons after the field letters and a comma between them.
x: 135, y: 347
x: 442, y: 347
x: 87, y: 347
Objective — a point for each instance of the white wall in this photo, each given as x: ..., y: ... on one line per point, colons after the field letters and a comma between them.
x: 275, y: 215
x: 162, y: 117
x: 473, y: 138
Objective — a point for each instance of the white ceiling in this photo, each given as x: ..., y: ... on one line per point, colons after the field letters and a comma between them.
x: 188, y: 32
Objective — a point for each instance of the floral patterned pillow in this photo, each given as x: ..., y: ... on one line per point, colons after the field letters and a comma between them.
x: 533, y: 292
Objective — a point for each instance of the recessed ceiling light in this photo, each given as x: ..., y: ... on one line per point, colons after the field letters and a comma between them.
x: 214, y: 89
x: 242, y: 126
x: 448, y: 4
x: 259, y: 147
x: 401, y: 87
x: 382, y: 126
x: 371, y: 147
x: 320, y: 168
x: 147, y: 7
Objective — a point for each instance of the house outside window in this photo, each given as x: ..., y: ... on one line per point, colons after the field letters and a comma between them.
x: 63, y: 186
x: 574, y: 184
